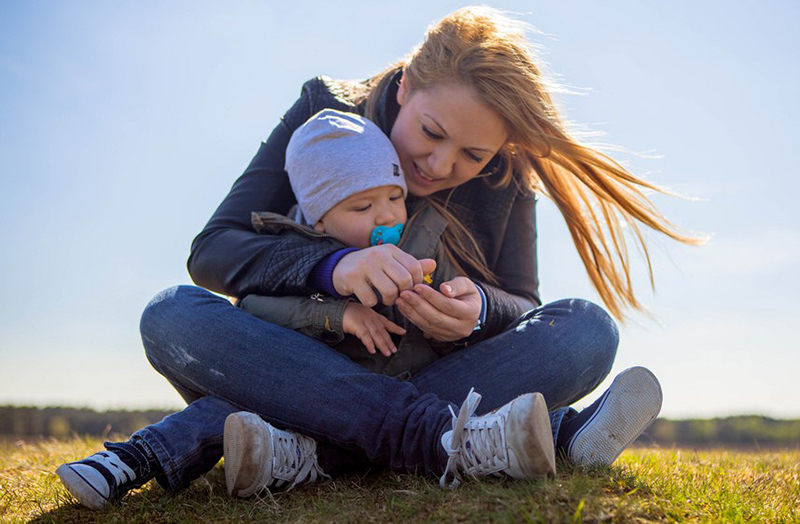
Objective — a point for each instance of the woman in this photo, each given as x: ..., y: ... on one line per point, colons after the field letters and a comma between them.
x: 476, y: 132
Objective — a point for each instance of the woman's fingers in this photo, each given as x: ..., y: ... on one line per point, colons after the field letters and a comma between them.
x: 456, y: 305
x: 386, y: 286
x: 420, y: 312
x: 385, y: 268
x: 443, y: 317
x: 364, y: 293
x: 416, y: 268
x: 428, y: 266
x: 400, y: 274
x: 458, y: 287
x: 406, y: 269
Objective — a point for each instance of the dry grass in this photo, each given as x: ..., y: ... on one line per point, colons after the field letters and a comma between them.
x: 645, y: 485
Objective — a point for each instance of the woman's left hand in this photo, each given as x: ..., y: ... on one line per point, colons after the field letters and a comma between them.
x: 446, y: 316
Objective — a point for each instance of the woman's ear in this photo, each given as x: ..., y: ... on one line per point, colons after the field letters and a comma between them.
x: 319, y: 226
x: 402, y: 89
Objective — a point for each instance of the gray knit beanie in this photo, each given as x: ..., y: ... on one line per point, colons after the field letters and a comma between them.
x: 334, y: 155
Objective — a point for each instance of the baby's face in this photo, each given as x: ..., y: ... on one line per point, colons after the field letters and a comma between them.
x: 352, y: 220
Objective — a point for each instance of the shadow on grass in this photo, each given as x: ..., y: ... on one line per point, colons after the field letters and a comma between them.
x: 150, y: 504
x: 380, y: 496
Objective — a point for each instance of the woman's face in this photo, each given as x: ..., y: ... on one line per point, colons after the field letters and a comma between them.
x: 444, y: 136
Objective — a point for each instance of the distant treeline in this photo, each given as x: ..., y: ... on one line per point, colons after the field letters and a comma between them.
x: 16, y: 421
x: 744, y: 431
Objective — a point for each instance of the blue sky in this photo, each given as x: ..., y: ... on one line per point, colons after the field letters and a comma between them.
x: 122, y: 127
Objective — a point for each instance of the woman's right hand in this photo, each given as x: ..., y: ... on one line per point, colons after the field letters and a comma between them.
x: 385, y: 268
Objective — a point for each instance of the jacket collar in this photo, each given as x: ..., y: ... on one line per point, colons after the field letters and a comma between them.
x: 388, y: 108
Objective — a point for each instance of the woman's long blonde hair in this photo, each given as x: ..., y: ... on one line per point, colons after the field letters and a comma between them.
x: 483, y: 49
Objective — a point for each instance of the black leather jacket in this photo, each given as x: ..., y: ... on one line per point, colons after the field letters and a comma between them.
x: 230, y: 258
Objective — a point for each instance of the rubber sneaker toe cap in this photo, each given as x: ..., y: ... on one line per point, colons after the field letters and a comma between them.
x: 86, y: 484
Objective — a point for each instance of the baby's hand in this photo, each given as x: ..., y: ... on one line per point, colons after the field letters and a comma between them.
x: 371, y: 328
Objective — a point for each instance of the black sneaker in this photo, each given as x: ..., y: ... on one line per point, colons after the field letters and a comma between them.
x: 106, y: 476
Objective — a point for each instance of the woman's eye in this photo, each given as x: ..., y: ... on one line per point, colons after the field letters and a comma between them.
x: 474, y: 158
x: 430, y: 134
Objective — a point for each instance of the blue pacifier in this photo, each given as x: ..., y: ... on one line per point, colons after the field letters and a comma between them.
x: 386, y: 235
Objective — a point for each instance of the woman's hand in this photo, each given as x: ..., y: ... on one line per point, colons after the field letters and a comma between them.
x: 373, y: 329
x: 446, y: 316
x: 385, y: 268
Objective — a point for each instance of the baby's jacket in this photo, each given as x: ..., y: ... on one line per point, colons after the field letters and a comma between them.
x: 320, y: 316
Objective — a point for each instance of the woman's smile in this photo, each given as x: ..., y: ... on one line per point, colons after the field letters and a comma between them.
x: 422, y: 178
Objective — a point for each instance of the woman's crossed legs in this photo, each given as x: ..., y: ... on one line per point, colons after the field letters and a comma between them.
x: 223, y: 360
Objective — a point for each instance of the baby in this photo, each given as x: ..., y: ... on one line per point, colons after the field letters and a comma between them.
x: 350, y: 189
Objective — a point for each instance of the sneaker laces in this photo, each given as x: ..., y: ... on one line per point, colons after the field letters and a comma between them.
x: 294, y: 459
x: 477, y: 446
x: 121, y: 472
x: 141, y: 466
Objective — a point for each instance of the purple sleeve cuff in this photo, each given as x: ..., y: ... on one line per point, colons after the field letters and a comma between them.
x: 321, y: 277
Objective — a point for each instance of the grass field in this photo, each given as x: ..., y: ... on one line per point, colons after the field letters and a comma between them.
x: 644, y: 485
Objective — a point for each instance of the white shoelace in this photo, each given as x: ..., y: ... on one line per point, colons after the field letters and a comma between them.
x: 294, y: 459
x: 122, y: 473
x: 477, y: 446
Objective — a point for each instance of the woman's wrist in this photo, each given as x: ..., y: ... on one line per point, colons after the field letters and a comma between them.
x: 321, y: 276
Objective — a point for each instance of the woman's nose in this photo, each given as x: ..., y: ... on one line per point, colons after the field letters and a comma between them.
x: 440, y: 162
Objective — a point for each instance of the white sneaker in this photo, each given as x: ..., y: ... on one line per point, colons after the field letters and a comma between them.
x: 614, y: 420
x: 515, y: 440
x: 259, y: 456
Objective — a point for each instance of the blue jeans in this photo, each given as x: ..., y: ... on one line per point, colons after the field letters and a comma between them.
x: 222, y: 360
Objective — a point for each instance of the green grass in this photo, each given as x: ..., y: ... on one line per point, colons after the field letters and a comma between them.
x: 644, y: 485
